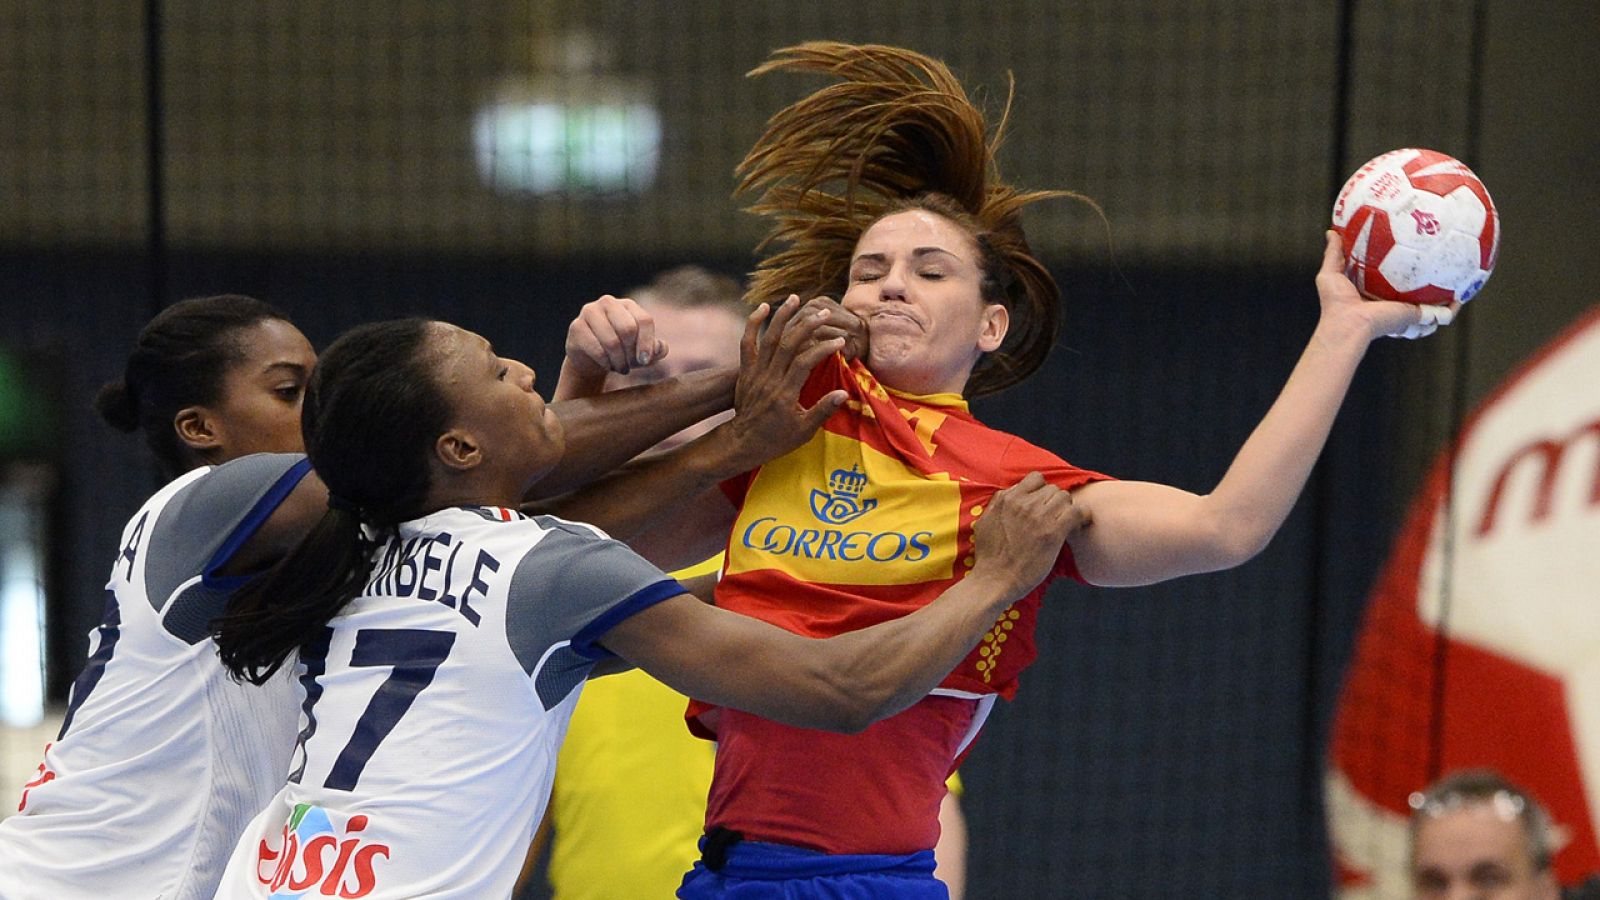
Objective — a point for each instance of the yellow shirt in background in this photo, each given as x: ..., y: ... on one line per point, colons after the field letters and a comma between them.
x: 629, y: 803
x: 630, y: 793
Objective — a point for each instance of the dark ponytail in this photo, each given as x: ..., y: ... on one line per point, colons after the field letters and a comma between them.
x: 371, y: 415
x: 116, y: 406
x: 179, y: 360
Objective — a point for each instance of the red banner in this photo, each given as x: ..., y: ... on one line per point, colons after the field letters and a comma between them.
x: 1481, y: 645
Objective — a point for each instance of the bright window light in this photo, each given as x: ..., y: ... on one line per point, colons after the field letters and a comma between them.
x: 21, y: 608
x: 536, y: 147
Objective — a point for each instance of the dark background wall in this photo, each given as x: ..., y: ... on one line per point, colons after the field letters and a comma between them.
x: 1169, y: 740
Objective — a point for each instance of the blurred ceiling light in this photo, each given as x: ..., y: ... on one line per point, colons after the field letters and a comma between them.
x: 568, y: 128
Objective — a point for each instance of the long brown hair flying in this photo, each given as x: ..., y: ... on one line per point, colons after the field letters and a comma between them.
x: 896, y: 132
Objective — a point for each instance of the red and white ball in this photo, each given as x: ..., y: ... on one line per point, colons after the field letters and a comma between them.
x: 1418, y: 227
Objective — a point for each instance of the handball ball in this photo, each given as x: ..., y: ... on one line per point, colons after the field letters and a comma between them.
x: 1417, y: 227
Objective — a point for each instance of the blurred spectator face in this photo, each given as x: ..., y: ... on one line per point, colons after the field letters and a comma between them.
x: 1475, y: 851
x: 700, y: 337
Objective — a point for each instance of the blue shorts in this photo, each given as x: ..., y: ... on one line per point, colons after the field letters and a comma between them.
x: 759, y: 871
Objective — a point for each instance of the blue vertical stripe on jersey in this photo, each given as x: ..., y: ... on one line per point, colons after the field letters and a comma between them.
x: 110, y: 630
x: 314, y: 656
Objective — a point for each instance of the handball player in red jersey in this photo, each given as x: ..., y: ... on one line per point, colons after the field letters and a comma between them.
x: 883, y: 191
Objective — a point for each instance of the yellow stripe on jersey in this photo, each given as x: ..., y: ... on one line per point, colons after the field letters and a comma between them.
x: 630, y: 791
x: 709, y: 567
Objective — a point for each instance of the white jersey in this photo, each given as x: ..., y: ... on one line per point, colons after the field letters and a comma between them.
x: 162, y: 759
x: 433, y: 706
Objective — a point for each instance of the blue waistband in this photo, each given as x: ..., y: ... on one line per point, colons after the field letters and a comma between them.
x: 763, y: 861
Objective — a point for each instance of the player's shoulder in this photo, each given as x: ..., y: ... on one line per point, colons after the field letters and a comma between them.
x: 240, y: 481
x: 193, y: 526
x: 561, y: 549
x: 582, y: 531
x: 516, y: 532
x: 219, y: 497
x: 1017, y: 456
x: 570, y: 586
x: 204, y: 499
x: 573, y: 559
x: 161, y: 499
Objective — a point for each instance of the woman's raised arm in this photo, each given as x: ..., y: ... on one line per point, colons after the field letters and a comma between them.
x: 1144, y: 533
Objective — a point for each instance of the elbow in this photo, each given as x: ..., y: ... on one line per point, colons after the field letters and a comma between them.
x: 860, y: 716
x: 852, y: 687
x: 849, y: 705
x: 1237, y: 545
x: 853, y: 722
x: 872, y: 700
x: 867, y: 708
x: 1231, y: 540
x: 852, y: 710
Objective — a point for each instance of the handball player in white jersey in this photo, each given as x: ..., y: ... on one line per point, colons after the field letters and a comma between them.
x: 163, y: 759
x: 443, y: 636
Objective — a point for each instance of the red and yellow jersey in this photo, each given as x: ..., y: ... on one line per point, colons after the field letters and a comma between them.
x: 872, y: 518
x: 869, y: 520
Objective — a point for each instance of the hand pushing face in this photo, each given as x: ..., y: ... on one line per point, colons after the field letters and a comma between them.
x: 915, y: 279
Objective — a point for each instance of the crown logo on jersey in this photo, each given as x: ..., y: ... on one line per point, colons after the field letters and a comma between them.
x: 852, y: 482
x: 842, y: 501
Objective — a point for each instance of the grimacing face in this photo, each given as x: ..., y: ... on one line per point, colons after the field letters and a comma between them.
x: 1475, y: 852
x: 915, y: 280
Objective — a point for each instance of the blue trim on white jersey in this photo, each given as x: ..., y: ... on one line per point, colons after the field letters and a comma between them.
x: 110, y: 631
x: 584, y: 643
x: 246, y: 529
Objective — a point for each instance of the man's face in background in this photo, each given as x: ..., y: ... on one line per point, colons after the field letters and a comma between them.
x: 701, y: 337
x: 1475, y: 852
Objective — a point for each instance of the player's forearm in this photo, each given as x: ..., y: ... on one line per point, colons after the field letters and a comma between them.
x: 647, y: 491
x: 846, y: 683
x: 1260, y: 487
x: 879, y: 671
x: 605, y: 431
x: 575, y: 383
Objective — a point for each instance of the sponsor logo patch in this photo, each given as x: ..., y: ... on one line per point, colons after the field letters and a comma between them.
x: 842, y: 501
x: 318, y: 856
